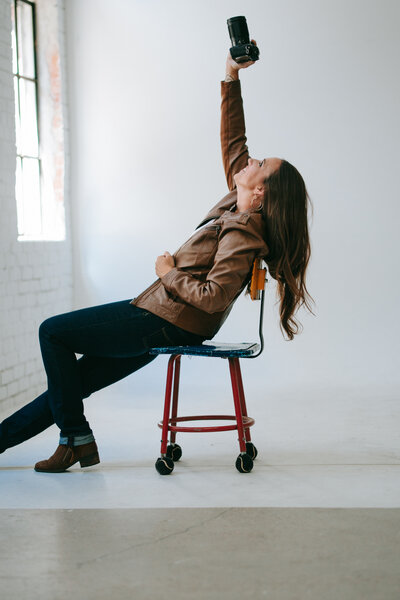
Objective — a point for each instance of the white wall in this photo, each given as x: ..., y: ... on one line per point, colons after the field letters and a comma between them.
x: 35, y: 277
x: 146, y: 166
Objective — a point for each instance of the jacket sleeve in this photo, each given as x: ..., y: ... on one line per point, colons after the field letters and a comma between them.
x: 235, y: 153
x: 225, y: 279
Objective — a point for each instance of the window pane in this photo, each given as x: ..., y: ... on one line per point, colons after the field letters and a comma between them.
x: 17, y: 120
x: 26, y: 61
x: 29, y: 134
x: 13, y: 40
x: 31, y: 196
x: 20, y: 197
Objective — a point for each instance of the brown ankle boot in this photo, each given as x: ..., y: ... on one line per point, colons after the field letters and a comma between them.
x: 65, y: 456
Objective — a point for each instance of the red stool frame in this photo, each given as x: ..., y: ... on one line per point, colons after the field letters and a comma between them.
x: 169, y: 423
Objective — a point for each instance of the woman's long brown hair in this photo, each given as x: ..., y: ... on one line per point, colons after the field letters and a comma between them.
x: 285, y: 212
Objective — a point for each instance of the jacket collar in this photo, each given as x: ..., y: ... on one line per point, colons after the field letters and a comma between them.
x: 227, y: 204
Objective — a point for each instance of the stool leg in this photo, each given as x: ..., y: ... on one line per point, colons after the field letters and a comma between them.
x: 175, y: 395
x: 167, y: 404
x: 233, y: 367
x: 242, y: 400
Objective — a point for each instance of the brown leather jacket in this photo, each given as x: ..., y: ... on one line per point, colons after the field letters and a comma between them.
x: 214, y: 266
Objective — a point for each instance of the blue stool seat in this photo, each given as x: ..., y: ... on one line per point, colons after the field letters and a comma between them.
x: 222, y: 350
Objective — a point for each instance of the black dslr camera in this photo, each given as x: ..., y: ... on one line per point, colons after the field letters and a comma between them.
x: 242, y: 49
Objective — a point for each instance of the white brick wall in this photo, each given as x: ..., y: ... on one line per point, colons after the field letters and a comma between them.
x: 35, y: 277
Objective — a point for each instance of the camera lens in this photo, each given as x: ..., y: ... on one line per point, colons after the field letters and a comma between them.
x: 238, y: 31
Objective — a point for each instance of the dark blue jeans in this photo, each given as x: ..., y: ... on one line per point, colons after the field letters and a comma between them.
x: 114, y: 340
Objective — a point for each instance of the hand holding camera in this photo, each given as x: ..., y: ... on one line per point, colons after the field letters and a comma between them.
x: 244, y: 52
x: 233, y: 67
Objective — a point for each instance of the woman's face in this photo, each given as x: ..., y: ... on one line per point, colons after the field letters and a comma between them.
x: 253, y: 176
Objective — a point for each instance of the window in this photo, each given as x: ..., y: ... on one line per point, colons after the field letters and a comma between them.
x: 38, y: 121
x: 26, y: 119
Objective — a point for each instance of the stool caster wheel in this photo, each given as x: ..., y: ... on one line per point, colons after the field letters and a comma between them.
x: 244, y: 463
x: 251, y: 450
x: 164, y: 465
x: 174, y: 451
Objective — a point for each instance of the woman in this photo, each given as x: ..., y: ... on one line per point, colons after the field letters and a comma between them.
x: 264, y: 215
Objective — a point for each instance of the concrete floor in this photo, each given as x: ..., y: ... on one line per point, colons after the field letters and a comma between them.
x: 207, y: 553
x: 317, y: 518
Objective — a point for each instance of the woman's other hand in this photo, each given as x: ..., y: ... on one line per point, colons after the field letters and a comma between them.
x: 232, y: 67
x: 164, y: 263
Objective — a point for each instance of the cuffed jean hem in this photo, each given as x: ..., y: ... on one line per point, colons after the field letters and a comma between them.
x: 77, y: 440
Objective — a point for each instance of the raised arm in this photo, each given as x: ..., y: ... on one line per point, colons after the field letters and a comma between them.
x: 235, y: 153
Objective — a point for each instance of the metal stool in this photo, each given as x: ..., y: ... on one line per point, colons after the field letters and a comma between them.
x: 172, y: 452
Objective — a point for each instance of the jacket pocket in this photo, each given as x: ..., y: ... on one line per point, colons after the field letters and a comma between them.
x: 201, y: 249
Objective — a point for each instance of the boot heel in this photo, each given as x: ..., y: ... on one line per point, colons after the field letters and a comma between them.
x: 91, y: 459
